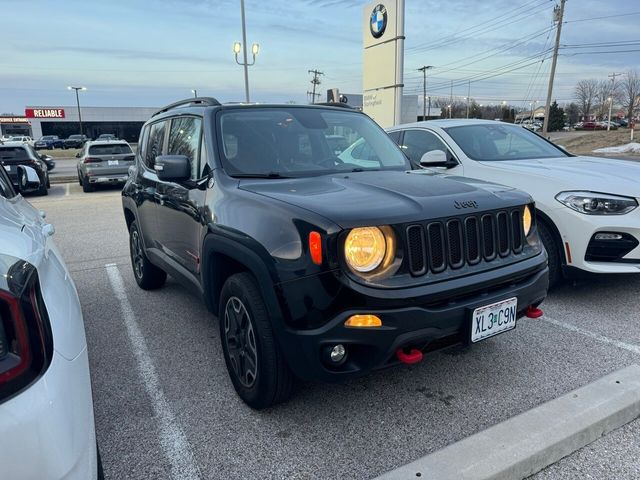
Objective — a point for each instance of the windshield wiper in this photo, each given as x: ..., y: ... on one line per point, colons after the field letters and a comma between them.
x: 259, y: 175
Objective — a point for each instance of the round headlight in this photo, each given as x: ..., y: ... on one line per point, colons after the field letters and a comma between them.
x: 526, y: 220
x: 365, y: 248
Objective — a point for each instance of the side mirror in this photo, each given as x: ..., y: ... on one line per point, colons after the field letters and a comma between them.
x: 27, y: 179
x: 172, y: 167
x: 78, y: 155
x: 434, y: 158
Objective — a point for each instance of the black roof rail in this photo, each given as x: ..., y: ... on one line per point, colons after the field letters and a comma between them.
x: 334, y: 104
x: 204, y: 101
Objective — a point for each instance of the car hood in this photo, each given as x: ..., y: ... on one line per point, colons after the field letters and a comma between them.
x: 605, y: 175
x: 388, y: 197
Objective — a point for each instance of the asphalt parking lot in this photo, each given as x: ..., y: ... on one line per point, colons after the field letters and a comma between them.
x: 165, y: 407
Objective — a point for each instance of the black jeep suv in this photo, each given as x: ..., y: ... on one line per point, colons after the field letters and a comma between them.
x: 323, y: 264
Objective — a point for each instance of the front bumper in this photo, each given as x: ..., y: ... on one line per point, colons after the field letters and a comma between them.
x: 47, y: 431
x: 427, y: 322
x: 577, y: 231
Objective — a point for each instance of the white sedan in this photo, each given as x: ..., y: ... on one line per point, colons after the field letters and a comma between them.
x: 588, y: 215
x: 46, y: 409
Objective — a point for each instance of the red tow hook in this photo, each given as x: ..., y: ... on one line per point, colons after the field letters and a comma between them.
x: 533, y: 312
x: 414, y: 356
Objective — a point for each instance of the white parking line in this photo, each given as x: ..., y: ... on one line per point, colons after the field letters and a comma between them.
x: 596, y: 336
x: 172, y: 438
x: 66, y: 194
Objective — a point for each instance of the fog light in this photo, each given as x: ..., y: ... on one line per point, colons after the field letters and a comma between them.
x: 363, y: 321
x: 608, y: 236
x: 337, y: 353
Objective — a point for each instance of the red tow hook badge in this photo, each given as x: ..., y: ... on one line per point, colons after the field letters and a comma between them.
x: 414, y: 356
x: 533, y: 312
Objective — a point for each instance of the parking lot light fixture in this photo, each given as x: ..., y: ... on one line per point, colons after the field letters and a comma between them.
x: 242, y: 47
x: 77, y: 89
x: 610, y: 99
x: 195, y: 92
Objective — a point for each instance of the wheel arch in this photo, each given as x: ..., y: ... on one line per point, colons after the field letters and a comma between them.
x: 223, y: 257
x: 542, y: 217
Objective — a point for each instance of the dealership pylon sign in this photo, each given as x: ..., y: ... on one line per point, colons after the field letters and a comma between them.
x: 383, y: 63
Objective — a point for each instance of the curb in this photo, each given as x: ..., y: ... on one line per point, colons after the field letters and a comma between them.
x: 61, y: 179
x: 533, y: 440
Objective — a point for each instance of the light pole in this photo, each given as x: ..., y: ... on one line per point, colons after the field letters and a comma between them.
x: 237, y: 47
x: 449, y: 107
x: 195, y: 92
x: 609, y: 117
x: 78, y: 103
x: 424, y: 69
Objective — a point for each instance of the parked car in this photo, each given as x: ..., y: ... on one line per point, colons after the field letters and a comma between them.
x: 103, y: 162
x: 622, y: 122
x: 49, y: 161
x: 49, y: 142
x: 587, y: 209
x: 319, y: 268
x: 19, y: 140
x: 611, y: 125
x: 4, y: 138
x: 11, y: 156
x: 75, y: 141
x: 590, y: 126
x: 107, y: 136
x: 46, y: 408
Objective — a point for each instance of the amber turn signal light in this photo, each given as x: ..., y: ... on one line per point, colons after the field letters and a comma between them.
x: 363, y: 321
x: 315, y: 247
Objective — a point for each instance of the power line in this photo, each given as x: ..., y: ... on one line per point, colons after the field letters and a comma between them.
x: 601, y: 18
x: 473, y: 31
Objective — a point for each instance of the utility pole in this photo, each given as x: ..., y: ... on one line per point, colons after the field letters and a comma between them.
x: 468, y: 97
x: 424, y: 69
x: 613, y: 89
x: 451, y: 99
x: 558, y: 13
x: 315, y: 81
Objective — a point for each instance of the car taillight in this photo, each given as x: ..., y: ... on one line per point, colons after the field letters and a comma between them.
x: 92, y: 160
x: 26, y: 344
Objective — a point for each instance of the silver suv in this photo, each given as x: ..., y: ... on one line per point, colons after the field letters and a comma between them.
x: 104, y: 163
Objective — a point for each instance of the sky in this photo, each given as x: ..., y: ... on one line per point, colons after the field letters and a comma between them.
x: 153, y: 52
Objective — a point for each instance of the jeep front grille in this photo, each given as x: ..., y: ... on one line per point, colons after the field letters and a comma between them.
x: 456, y: 242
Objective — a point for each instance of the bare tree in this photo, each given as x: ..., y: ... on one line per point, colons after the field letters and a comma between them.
x: 630, y: 92
x: 586, y: 93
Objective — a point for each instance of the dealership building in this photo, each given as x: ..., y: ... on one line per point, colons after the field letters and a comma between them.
x: 124, y: 122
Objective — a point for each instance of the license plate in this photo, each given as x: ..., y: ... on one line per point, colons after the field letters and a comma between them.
x: 113, y: 162
x: 493, y: 319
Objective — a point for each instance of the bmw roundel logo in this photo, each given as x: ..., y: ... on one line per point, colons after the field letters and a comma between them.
x: 378, y: 21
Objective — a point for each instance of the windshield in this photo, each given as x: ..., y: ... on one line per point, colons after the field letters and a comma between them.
x: 75, y: 137
x: 48, y: 138
x: 495, y: 142
x: 292, y: 142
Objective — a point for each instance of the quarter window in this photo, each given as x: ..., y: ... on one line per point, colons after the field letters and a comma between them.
x: 155, y: 143
x: 184, y: 138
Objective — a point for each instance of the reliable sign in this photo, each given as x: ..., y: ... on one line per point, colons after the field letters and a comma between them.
x: 44, y: 112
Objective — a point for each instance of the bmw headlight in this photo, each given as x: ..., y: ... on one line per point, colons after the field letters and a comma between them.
x: 368, y: 250
x: 591, y: 203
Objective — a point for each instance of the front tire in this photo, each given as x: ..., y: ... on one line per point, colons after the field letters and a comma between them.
x: 255, y: 363
x: 553, y: 252
x: 147, y: 275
